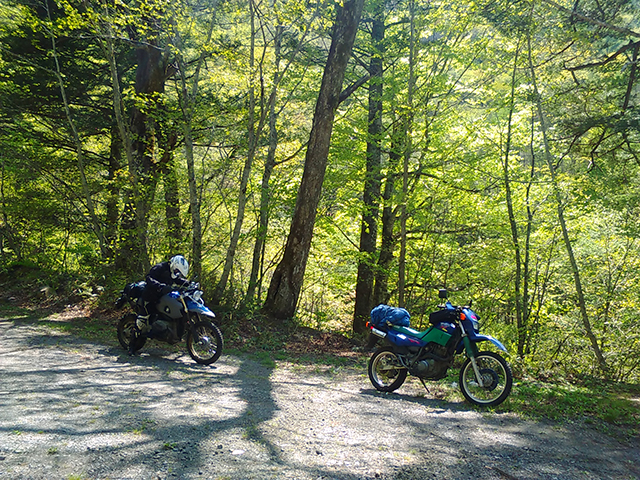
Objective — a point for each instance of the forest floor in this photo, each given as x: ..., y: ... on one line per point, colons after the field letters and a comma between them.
x: 74, y: 409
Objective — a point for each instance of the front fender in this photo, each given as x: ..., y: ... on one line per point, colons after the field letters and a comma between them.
x: 481, y: 338
x: 489, y: 338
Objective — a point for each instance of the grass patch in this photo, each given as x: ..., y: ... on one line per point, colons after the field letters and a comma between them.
x: 264, y: 358
x: 609, y: 405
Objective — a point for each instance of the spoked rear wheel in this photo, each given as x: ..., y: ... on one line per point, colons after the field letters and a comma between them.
x: 385, y: 370
x: 126, y: 326
x: 496, y: 380
x: 204, y: 342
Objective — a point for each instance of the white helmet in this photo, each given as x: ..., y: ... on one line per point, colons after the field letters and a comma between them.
x: 179, y: 266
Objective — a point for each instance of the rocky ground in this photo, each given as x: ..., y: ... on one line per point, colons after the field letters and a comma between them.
x: 70, y: 409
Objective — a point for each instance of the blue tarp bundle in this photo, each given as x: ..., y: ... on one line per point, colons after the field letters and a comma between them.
x: 382, y: 314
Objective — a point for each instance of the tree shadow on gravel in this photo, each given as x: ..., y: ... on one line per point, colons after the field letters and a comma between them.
x: 80, y: 409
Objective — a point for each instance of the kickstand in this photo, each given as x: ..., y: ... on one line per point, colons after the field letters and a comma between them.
x: 133, y: 337
x: 424, y: 385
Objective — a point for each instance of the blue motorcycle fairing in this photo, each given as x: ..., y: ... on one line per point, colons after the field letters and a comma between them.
x: 198, y: 308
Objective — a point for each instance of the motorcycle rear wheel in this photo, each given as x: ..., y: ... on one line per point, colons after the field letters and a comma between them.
x: 496, y: 377
x: 385, y: 370
x: 125, y: 327
x: 204, y: 342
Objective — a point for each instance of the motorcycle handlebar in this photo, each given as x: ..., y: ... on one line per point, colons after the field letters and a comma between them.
x: 193, y: 287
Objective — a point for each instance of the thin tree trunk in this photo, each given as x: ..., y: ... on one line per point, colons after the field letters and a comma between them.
x: 526, y: 304
x: 270, y: 162
x: 286, y: 283
x: 563, y: 225
x: 187, y: 100
x: 95, y: 222
x: 248, y: 164
x: 5, y: 228
x: 371, y: 196
x: 521, y: 325
x: 255, y: 278
x: 131, y: 222
x: 408, y: 121
x: 194, y: 197
x: 388, y: 240
x: 112, y: 213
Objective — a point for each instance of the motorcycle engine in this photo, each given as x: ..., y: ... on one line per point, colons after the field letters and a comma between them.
x: 429, y: 368
x: 164, y: 331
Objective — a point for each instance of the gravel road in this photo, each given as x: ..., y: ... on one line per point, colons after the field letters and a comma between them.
x: 75, y: 410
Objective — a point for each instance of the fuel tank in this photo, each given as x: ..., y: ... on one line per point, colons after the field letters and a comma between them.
x: 170, y: 305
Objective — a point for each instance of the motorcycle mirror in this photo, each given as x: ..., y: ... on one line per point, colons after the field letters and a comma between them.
x: 442, y: 293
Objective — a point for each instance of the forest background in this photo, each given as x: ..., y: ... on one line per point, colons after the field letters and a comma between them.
x: 489, y: 147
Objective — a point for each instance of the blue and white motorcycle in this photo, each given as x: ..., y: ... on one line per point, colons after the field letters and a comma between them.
x: 178, y: 313
x: 485, y: 377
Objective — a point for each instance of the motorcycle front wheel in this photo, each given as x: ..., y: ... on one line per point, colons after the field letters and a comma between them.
x: 385, y: 370
x: 496, y: 380
x: 125, y: 327
x: 204, y: 342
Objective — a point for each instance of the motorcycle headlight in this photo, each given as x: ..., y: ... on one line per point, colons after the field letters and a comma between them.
x: 476, y: 324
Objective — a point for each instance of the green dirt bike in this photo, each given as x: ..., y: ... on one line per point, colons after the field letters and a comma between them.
x: 485, y: 377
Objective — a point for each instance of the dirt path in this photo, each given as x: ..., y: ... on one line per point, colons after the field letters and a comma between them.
x: 74, y: 410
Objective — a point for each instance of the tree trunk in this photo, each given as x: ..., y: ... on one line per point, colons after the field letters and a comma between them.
x: 151, y: 74
x: 172, y: 199
x: 286, y: 283
x: 563, y: 225
x: 371, y: 198
x: 139, y: 142
x: 6, y: 232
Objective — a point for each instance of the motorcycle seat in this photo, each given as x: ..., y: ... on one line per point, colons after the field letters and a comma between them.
x: 410, y: 331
